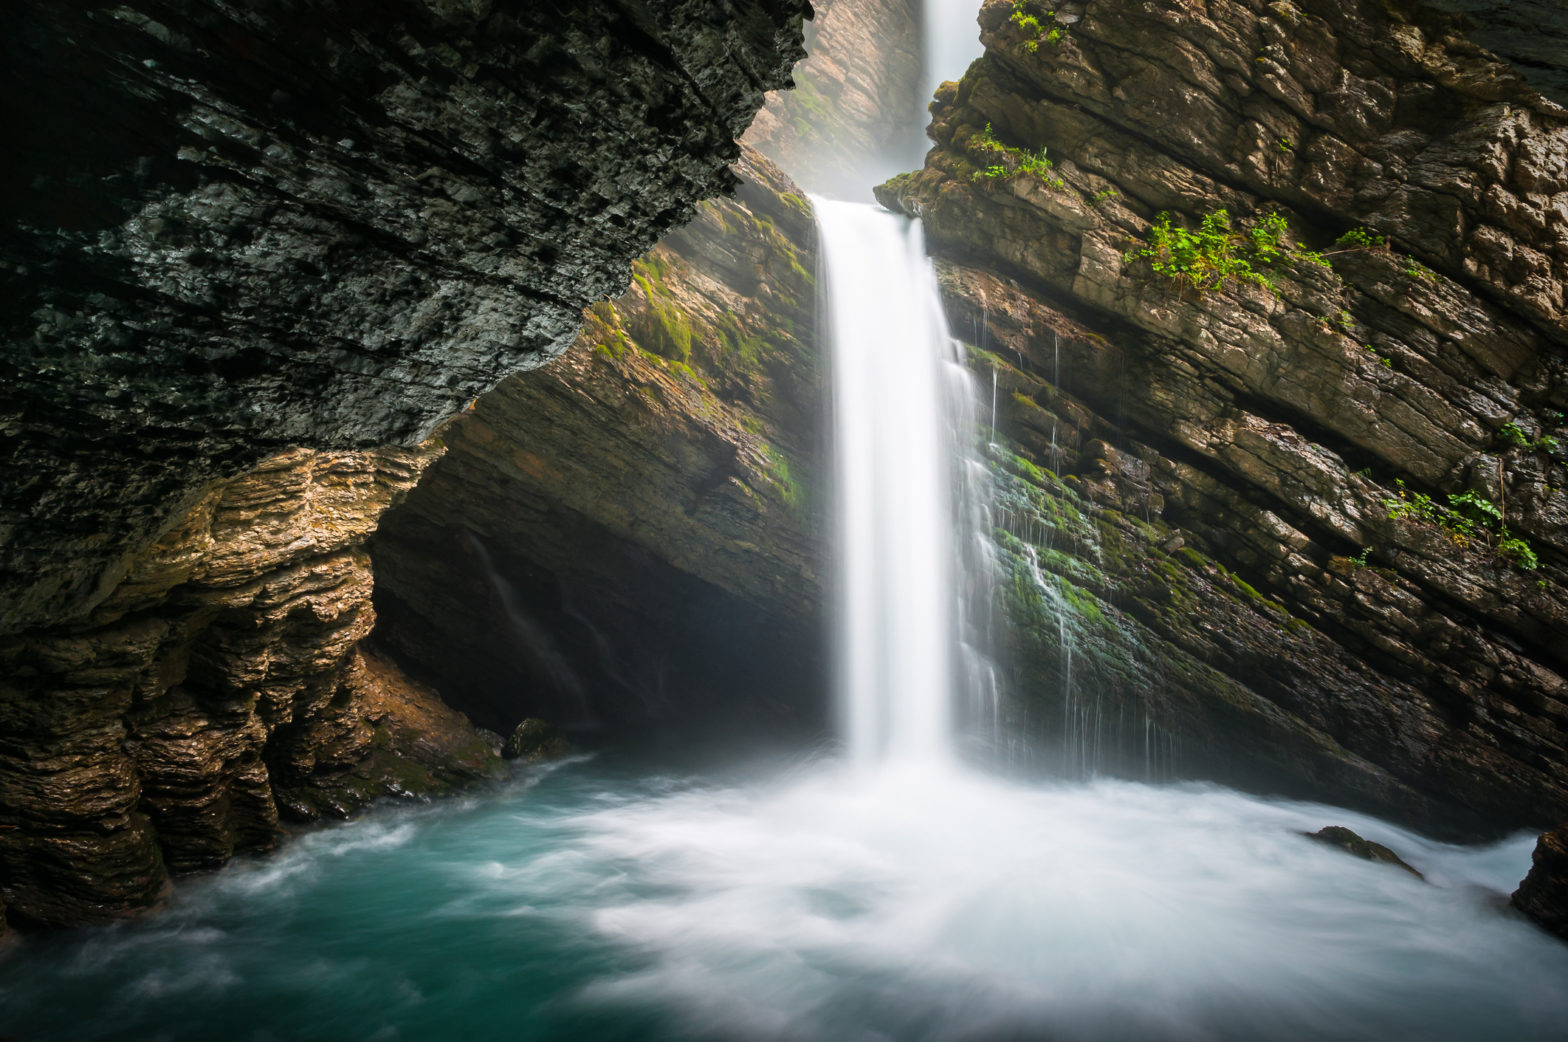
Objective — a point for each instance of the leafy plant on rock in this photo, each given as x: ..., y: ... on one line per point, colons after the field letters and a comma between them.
x: 1470, y: 517
x: 1012, y: 161
x: 1037, y: 22
x: 1216, y: 253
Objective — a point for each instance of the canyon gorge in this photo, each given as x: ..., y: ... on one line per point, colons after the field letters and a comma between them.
x: 379, y: 378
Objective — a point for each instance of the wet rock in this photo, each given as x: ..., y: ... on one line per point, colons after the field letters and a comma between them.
x: 1354, y: 845
x: 153, y: 737
x: 384, y: 737
x: 536, y: 741
x: 1543, y: 895
x: 857, y: 101
x: 255, y: 258
x: 236, y: 229
x: 634, y: 531
x: 1308, y: 635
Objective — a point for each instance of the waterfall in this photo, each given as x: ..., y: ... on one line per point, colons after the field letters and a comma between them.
x: 951, y: 41
x: 909, y: 533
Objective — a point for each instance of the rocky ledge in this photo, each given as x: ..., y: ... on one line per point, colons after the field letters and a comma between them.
x: 1283, y: 476
x: 240, y: 228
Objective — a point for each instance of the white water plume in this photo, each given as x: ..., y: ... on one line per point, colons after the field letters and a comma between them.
x: 911, y: 530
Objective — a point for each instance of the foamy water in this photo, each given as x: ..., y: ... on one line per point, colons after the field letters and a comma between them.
x: 819, y: 901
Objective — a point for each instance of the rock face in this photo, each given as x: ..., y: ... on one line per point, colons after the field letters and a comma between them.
x: 1543, y: 895
x: 219, y: 684
x: 243, y: 228
x: 633, y: 531
x: 255, y: 255
x: 1531, y: 34
x: 1233, y: 490
x: 857, y: 105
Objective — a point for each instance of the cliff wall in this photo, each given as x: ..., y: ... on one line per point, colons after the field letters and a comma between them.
x: 256, y: 254
x: 1239, y: 439
x: 633, y: 533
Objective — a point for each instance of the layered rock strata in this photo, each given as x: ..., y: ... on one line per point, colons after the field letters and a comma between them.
x: 857, y: 106
x: 1543, y: 895
x: 256, y: 255
x: 1220, y: 488
x: 239, y: 228
x: 218, y: 686
x: 633, y: 531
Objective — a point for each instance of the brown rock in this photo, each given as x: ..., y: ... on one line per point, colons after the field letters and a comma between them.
x: 1301, y: 638
x: 1543, y: 894
x: 536, y: 741
x: 856, y: 107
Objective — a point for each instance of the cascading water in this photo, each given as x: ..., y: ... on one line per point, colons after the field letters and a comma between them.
x: 905, y: 485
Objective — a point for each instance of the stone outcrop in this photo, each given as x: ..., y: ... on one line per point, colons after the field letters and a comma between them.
x: 1543, y: 895
x: 256, y: 255
x: 1207, y: 477
x: 218, y: 685
x: 1356, y: 846
x: 238, y: 228
x: 535, y: 741
x: 633, y: 532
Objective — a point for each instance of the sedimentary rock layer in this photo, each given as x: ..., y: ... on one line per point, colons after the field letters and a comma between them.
x: 1229, y: 455
x: 633, y: 531
x: 234, y: 228
x: 1543, y: 895
x: 857, y: 103
x: 219, y: 684
x: 255, y: 254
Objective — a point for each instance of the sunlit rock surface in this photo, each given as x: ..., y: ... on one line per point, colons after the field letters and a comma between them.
x: 1200, y: 529
x: 255, y: 255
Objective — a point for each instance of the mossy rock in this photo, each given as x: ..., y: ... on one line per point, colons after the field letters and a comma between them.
x: 1365, y: 849
x: 536, y: 741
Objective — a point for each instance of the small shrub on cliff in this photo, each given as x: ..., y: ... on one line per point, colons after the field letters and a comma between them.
x: 1217, y: 252
x: 1360, y: 239
x: 1471, y: 517
x: 1013, y: 160
x: 1036, y: 22
x: 1513, y: 434
x: 1213, y: 255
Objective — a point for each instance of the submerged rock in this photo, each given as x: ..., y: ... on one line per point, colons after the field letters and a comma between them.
x: 1543, y: 895
x: 536, y: 741
x: 1354, y: 845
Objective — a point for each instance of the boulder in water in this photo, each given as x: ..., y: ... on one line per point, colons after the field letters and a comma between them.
x: 1365, y: 849
x: 1543, y: 895
x: 536, y: 741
